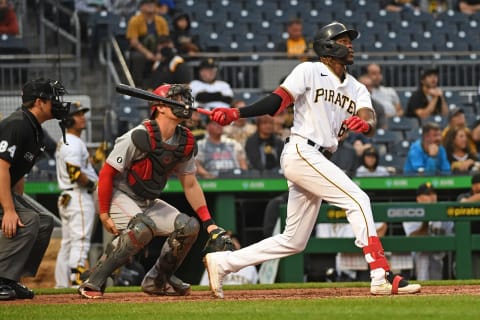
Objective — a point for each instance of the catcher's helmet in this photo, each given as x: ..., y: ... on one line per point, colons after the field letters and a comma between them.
x: 169, y: 91
x: 324, y: 42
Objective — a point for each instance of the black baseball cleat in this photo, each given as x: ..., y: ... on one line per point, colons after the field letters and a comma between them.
x: 7, y: 293
x: 21, y: 291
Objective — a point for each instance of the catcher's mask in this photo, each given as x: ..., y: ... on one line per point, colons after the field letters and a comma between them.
x: 47, y: 89
x: 178, y: 92
x: 324, y: 42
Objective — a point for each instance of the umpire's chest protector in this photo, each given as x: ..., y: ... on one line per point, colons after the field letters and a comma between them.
x: 147, y: 177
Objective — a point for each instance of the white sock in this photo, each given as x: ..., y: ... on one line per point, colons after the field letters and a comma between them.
x: 377, y: 276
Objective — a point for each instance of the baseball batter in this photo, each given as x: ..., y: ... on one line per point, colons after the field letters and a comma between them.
x: 327, y: 102
x: 77, y: 179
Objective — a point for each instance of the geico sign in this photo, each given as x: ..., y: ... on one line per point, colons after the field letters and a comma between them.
x: 405, y: 212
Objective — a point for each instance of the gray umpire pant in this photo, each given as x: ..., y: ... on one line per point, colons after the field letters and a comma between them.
x: 22, y: 254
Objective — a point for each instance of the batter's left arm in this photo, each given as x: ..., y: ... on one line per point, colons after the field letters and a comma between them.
x: 368, y: 115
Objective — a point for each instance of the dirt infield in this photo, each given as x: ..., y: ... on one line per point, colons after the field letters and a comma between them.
x: 241, y: 295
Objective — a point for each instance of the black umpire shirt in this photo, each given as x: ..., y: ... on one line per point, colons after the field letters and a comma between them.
x: 21, y: 142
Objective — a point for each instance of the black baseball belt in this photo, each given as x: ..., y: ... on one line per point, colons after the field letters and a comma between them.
x: 321, y: 149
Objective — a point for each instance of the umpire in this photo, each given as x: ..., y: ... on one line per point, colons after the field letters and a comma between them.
x: 25, y: 231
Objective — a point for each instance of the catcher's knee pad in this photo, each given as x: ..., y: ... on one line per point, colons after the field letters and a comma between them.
x: 142, y: 228
x: 138, y: 233
x: 186, y: 226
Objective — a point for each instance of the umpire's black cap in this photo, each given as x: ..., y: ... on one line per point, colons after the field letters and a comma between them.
x: 40, y: 88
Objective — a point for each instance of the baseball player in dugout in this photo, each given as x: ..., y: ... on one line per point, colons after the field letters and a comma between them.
x: 78, y: 180
x: 328, y: 102
x: 26, y: 230
x: 129, y: 187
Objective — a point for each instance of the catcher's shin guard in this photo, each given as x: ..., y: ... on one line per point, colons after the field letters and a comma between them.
x: 159, y: 279
x: 139, y: 232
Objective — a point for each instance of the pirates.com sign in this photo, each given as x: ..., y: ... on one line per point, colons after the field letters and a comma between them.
x: 463, y: 211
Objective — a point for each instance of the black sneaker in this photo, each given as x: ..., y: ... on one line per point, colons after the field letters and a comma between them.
x: 6, y: 292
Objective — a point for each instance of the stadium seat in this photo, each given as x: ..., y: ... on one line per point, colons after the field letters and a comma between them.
x: 400, y: 149
x: 391, y: 160
x: 402, y: 123
x: 413, y: 135
x: 387, y: 137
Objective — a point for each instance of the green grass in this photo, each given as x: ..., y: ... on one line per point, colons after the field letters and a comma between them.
x: 358, y: 308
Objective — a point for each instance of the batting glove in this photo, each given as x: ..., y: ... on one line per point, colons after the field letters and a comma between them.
x: 357, y: 124
x: 225, y: 116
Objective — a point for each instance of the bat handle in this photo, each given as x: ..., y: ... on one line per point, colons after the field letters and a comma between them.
x: 204, y: 111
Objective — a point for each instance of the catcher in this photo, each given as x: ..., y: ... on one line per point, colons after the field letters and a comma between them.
x: 129, y: 185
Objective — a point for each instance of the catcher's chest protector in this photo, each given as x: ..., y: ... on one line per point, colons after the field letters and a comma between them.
x: 147, y: 177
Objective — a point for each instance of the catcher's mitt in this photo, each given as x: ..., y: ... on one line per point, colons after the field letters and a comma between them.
x: 218, y: 240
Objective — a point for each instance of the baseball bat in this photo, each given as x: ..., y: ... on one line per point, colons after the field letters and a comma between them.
x: 150, y: 96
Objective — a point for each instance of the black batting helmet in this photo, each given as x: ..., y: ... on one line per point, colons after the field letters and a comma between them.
x: 75, y: 108
x: 324, y: 42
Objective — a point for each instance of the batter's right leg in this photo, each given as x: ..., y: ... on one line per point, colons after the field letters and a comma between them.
x: 138, y: 233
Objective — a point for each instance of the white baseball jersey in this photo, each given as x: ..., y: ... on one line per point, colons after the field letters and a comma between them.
x: 76, y: 154
x: 217, y: 86
x: 77, y: 213
x: 322, y: 102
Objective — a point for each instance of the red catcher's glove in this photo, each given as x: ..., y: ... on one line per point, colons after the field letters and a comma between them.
x: 224, y: 116
x: 356, y: 124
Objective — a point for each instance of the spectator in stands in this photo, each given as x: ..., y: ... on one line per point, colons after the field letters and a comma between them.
x: 208, y: 91
x: 185, y: 43
x: 370, y: 166
x: 9, y: 26
x: 346, y: 157
x: 475, y: 132
x: 165, y: 9
x: 360, y: 143
x: 124, y: 8
x: 168, y: 66
x: 8, y: 19
x: 435, y: 6
x: 295, y: 46
x: 428, y: 99
x: 399, y: 5
x: 469, y: 6
x: 282, y: 123
x: 247, y: 275
x: 196, y: 125
x: 456, y: 119
x: 473, y: 195
x: 378, y: 104
x: 461, y: 157
x: 264, y: 147
x: 143, y: 31
x: 218, y: 154
x: 387, y: 96
x: 427, y: 155
x: 428, y: 265
x: 240, y: 129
